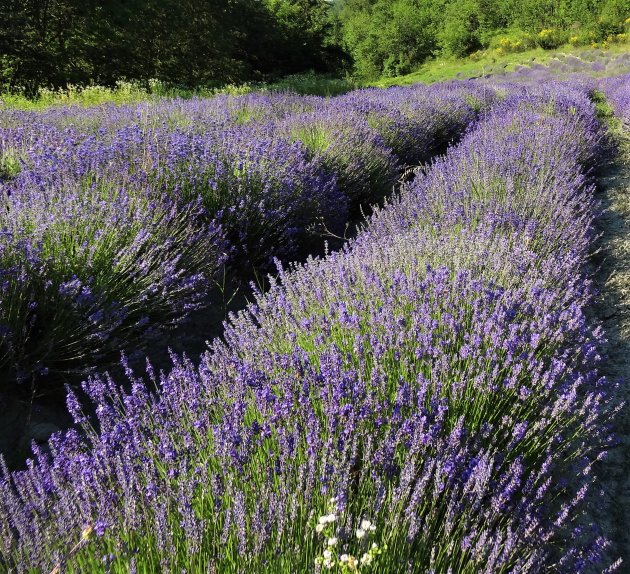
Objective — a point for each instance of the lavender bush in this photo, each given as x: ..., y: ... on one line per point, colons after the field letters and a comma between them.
x: 417, y: 121
x: 195, y: 184
x: 425, y: 400
x: 88, y: 270
x: 589, y: 63
x: 493, y: 173
x: 617, y: 93
x: 265, y: 191
x: 366, y: 168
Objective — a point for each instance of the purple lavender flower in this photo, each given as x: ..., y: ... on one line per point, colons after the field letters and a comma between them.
x: 438, y: 375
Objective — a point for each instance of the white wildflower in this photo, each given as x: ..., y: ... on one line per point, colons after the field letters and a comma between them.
x: 343, y: 558
x: 319, y: 528
x: 360, y: 533
x: 327, y: 554
x: 367, y: 526
x: 332, y: 541
x: 366, y: 559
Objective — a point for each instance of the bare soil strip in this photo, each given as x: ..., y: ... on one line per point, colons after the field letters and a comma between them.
x: 611, y: 501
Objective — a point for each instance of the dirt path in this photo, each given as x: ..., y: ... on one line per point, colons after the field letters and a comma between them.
x: 611, y: 495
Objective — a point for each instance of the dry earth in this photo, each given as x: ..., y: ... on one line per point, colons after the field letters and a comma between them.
x: 610, y: 504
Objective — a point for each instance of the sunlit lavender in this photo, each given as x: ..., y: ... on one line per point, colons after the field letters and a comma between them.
x: 428, y: 398
x: 117, y: 220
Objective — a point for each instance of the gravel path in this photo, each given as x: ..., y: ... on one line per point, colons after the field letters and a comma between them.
x: 611, y: 500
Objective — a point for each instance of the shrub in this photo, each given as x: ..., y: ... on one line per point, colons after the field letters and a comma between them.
x: 265, y: 191
x: 459, y: 34
x: 550, y: 38
x: 513, y: 42
x: 87, y: 270
x: 342, y: 140
x: 9, y: 163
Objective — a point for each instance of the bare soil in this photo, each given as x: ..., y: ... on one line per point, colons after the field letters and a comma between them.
x: 610, y: 501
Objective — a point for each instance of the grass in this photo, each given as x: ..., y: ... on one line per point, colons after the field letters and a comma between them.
x: 442, y: 69
x: 437, y: 70
x: 133, y: 92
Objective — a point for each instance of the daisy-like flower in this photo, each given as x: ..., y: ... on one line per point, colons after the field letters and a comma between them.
x: 367, y: 526
x: 367, y: 559
x: 327, y: 519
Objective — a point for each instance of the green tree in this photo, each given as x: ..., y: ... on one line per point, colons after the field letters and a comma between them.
x: 388, y: 36
x: 460, y: 33
x: 304, y: 35
x: 192, y: 42
x: 41, y: 42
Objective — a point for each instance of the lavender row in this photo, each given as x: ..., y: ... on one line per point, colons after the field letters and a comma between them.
x: 426, y: 400
x: 116, y: 220
x: 617, y: 92
x: 598, y: 63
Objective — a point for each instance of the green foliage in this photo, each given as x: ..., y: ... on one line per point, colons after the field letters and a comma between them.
x: 550, y: 38
x: 387, y: 37
x: 189, y: 46
x: 9, y: 163
x: 460, y: 33
x: 392, y: 37
x: 311, y: 83
x: 512, y: 42
x: 188, y: 43
x: 302, y: 28
x: 314, y: 137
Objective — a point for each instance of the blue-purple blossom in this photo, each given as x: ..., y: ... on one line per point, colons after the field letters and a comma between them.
x: 438, y: 375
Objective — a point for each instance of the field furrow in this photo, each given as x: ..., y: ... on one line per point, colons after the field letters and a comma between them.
x: 611, y: 496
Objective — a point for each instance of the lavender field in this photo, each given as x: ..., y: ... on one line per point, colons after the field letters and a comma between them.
x: 427, y: 396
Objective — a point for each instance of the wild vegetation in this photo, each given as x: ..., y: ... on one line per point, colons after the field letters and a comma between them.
x: 194, y: 43
x: 390, y: 38
x: 164, y: 45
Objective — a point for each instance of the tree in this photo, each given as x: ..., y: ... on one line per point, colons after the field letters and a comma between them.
x: 191, y: 42
x: 388, y: 36
x: 460, y: 33
x: 303, y: 35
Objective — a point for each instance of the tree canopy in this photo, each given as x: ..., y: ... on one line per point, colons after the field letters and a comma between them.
x: 192, y: 43
x: 189, y: 42
x: 390, y: 37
